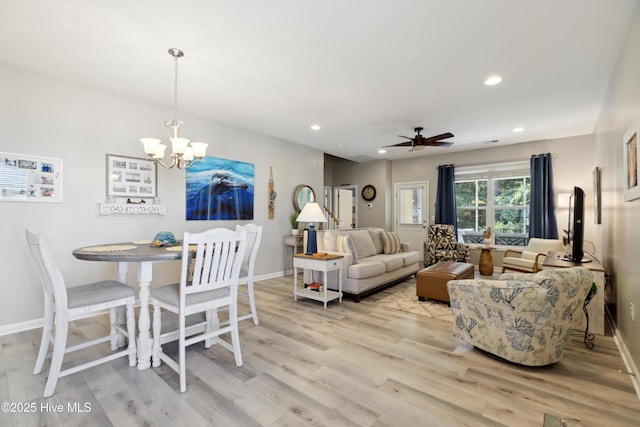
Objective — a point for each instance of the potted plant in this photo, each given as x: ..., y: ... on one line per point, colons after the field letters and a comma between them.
x: 293, y: 218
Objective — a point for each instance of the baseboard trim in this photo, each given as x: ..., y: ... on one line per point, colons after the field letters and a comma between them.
x: 632, y: 369
x: 38, y: 323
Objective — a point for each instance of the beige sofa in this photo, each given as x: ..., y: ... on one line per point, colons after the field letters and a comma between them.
x: 367, y: 268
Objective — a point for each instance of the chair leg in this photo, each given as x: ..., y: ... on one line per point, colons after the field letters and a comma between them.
x: 157, y: 327
x: 59, y: 343
x: 252, y: 301
x: 131, y: 331
x: 208, y: 327
x: 182, y: 361
x: 47, y: 331
x: 120, y: 319
x: 235, y: 336
x: 113, y: 331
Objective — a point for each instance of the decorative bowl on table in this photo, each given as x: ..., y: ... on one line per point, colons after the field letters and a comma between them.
x: 164, y: 238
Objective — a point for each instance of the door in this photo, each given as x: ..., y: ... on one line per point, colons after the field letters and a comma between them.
x: 345, y: 203
x: 411, y: 213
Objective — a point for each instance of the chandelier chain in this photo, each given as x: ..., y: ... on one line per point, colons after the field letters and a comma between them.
x: 175, y: 90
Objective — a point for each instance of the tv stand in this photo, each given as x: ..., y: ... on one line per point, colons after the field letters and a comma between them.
x: 596, y: 307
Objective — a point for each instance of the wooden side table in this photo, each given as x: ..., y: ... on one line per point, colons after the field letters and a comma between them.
x: 485, y: 266
x: 318, y: 262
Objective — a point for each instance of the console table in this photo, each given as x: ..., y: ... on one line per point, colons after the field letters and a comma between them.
x: 596, y: 306
x: 293, y: 242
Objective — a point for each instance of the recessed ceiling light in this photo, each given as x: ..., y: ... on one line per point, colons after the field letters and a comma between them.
x: 518, y: 129
x: 340, y: 146
x: 382, y: 151
x: 493, y: 80
x: 315, y: 127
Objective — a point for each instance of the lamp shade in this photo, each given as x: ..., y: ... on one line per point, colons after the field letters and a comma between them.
x: 311, y: 212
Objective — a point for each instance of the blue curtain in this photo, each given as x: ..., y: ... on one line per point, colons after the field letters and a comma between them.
x: 542, y: 215
x: 446, y: 196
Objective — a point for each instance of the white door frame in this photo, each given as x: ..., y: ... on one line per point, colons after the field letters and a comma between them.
x: 416, y: 233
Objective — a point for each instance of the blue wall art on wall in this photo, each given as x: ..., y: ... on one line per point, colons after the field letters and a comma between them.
x: 220, y: 189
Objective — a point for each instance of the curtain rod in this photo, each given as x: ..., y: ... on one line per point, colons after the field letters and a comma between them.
x: 492, y: 165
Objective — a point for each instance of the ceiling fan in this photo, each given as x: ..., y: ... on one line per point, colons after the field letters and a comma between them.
x: 418, y: 142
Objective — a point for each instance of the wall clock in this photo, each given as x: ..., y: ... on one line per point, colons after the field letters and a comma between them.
x: 369, y: 192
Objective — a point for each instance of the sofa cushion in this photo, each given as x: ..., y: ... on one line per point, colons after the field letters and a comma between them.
x: 344, y: 243
x: 391, y: 261
x: 363, y: 243
x: 376, y: 236
x: 410, y: 258
x: 391, y: 242
x: 364, y: 270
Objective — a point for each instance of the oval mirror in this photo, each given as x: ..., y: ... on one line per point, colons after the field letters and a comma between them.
x: 302, y: 195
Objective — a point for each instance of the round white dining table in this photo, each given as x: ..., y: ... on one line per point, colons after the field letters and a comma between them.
x: 144, y: 255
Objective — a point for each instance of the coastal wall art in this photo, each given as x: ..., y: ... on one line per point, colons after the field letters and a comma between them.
x: 220, y: 189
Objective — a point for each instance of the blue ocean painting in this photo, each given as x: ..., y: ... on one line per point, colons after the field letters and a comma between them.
x: 220, y: 189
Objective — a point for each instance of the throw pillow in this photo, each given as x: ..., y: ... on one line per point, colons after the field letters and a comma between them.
x: 391, y: 242
x: 363, y: 243
x: 345, y: 244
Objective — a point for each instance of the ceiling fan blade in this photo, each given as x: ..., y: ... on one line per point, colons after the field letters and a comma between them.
x: 402, y: 136
x: 440, y: 144
x: 438, y: 137
x: 401, y: 144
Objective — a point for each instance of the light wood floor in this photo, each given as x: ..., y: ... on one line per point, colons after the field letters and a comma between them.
x: 350, y: 365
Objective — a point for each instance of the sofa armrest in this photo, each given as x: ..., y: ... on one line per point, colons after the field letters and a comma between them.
x: 539, y: 259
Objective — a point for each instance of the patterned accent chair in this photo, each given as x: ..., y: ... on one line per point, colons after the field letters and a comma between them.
x: 441, y: 245
x: 522, y: 318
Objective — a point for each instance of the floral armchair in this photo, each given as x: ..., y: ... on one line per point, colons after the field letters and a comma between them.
x: 441, y: 245
x: 522, y: 318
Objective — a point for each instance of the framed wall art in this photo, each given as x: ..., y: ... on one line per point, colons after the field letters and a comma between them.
x: 131, y: 177
x: 220, y: 189
x: 26, y: 178
x: 630, y: 162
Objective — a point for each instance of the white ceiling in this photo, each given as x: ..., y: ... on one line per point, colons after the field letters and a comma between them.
x: 365, y: 70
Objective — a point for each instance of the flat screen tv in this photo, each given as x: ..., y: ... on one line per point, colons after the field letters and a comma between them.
x: 576, y: 227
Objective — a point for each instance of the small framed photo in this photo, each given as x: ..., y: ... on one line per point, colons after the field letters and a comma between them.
x: 131, y: 177
x: 630, y: 148
x: 27, y: 178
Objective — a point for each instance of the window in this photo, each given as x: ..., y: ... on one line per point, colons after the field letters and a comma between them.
x: 498, y: 197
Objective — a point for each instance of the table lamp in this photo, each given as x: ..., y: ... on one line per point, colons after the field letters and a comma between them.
x: 311, y: 213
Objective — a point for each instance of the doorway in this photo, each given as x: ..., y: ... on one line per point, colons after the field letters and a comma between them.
x: 345, y: 203
x: 412, y: 213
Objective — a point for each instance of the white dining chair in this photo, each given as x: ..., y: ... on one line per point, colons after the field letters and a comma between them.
x: 62, y: 303
x: 254, y: 236
x: 208, y: 283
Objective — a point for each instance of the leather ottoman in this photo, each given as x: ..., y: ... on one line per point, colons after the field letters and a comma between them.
x: 432, y: 281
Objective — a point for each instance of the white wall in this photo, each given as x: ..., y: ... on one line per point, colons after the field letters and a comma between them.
x: 620, y: 230
x: 47, y: 117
